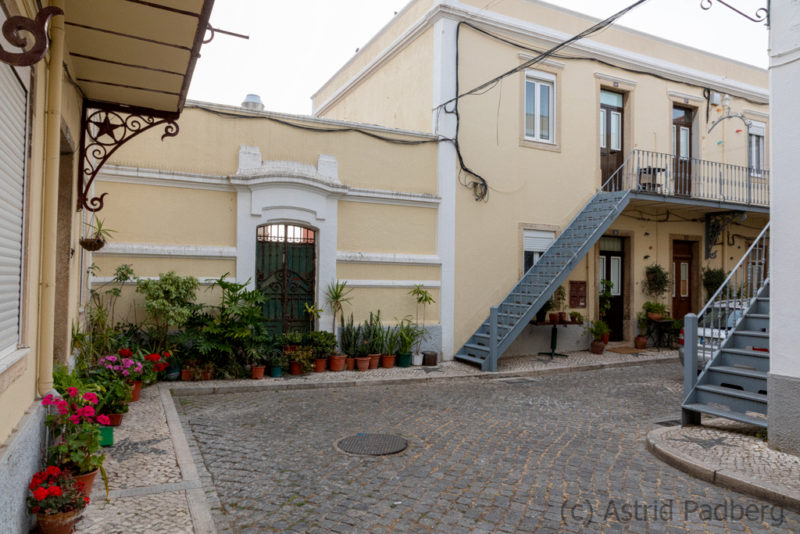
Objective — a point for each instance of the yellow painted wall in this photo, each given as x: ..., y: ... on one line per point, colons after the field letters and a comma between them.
x: 209, y: 144
x: 169, y: 215
x: 399, y: 94
x: 377, y: 271
x: 395, y: 304
x: 365, y: 227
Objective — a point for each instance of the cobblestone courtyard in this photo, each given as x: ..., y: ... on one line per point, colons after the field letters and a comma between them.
x: 562, y: 453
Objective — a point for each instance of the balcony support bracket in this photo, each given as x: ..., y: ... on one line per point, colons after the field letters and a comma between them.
x: 106, y: 127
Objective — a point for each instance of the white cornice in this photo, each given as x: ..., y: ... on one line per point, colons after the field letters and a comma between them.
x: 394, y: 259
x: 686, y: 97
x: 617, y: 79
x: 155, y: 177
x: 519, y: 28
x: 393, y: 283
x: 158, y: 250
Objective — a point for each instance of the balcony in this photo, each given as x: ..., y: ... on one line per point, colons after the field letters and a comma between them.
x: 690, y: 179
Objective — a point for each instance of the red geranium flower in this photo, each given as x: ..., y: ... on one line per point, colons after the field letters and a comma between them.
x: 53, y: 470
x: 40, y: 494
x: 125, y: 353
x: 55, y: 491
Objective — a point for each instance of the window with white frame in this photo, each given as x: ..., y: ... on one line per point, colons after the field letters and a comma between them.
x: 756, y: 146
x: 534, y: 243
x: 540, y: 108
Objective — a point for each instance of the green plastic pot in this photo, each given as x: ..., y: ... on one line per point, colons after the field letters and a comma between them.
x: 275, y: 372
x: 403, y: 359
x: 106, y: 436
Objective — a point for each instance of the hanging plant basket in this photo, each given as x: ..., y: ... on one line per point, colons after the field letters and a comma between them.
x: 91, y: 243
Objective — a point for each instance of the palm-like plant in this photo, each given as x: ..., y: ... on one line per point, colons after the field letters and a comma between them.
x: 337, y: 296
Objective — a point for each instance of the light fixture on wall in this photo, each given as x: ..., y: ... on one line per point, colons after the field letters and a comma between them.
x: 647, y: 234
x: 647, y: 256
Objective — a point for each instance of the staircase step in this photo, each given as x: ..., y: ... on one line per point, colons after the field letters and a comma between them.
x: 736, y: 400
x: 761, y: 305
x: 470, y: 359
x: 756, y: 322
x: 749, y: 338
x: 732, y: 357
x: 470, y: 348
x: 748, y: 379
x: 719, y: 412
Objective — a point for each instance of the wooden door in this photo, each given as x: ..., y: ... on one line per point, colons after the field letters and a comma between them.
x: 611, y: 136
x: 610, y: 268
x: 682, y: 273
x: 286, y: 274
x: 682, y: 149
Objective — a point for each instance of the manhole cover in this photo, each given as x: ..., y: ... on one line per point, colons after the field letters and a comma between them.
x: 373, y: 444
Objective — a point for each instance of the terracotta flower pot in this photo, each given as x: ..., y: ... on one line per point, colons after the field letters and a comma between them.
x: 563, y: 317
x: 654, y: 316
x: 57, y: 523
x: 136, y: 390
x: 640, y: 342
x: 337, y: 362
x: 362, y: 363
x: 257, y: 372
x: 87, y: 479
x: 320, y: 364
x: 349, y: 363
x: 187, y: 374
x: 295, y: 368
x: 597, y: 346
x: 553, y: 317
x: 115, y: 419
x: 206, y: 375
x: 606, y: 338
x: 387, y: 361
x: 374, y: 360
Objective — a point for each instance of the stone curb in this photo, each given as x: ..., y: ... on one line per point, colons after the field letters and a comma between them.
x: 183, y: 389
x: 737, y: 481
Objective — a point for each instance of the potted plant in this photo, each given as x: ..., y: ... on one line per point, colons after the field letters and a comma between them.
x: 598, y: 329
x: 391, y: 342
x: 372, y: 336
x: 640, y: 341
x: 291, y: 341
x: 712, y: 279
x: 576, y: 317
x: 351, y: 333
x: 322, y: 345
x: 74, y: 427
x: 656, y: 281
x: 407, y: 335
x: 336, y: 295
x: 559, y: 303
x: 257, y: 363
x: 133, y: 371
x: 655, y: 310
x: 114, y: 398
x: 56, y: 499
x: 97, y: 237
x: 313, y: 313
x: 301, y: 361
x: 276, y: 361
x: 423, y: 298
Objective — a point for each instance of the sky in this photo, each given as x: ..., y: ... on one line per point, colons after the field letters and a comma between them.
x: 296, y: 46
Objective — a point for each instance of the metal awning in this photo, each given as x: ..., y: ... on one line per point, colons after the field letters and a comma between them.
x: 137, y: 53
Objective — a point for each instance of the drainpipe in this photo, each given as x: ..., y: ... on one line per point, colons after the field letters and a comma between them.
x: 52, y: 156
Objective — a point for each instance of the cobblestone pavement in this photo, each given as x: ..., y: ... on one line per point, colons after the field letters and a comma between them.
x: 558, y: 453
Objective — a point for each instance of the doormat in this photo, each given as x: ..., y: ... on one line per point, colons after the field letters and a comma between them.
x: 624, y: 350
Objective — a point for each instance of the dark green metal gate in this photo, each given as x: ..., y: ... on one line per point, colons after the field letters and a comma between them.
x: 285, y: 273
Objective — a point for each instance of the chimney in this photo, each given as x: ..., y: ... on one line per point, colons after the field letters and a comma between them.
x: 253, y: 102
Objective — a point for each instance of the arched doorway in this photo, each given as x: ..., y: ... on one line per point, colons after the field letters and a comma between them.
x: 286, y: 274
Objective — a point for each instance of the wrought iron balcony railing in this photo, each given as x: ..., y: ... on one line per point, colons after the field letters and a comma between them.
x: 690, y: 178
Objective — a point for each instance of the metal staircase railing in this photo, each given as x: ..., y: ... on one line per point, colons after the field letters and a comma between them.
x: 710, y: 336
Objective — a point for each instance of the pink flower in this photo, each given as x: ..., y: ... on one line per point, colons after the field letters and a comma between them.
x: 86, y: 411
x: 111, y: 358
x: 72, y: 392
x: 48, y: 400
x: 75, y: 419
x: 103, y: 420
x: 90, y: 397
x: 125, y: 373
x: 63, y: 407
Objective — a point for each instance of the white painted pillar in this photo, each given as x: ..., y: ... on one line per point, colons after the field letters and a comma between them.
x: 784, y: 140
x: 444, y: 124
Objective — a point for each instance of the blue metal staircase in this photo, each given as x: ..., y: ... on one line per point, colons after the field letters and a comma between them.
x: 506, y: 321
x: 733, y: 331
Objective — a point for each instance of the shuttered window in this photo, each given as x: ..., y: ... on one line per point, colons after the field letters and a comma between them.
x: 534, y: 243
x: 13, y: 113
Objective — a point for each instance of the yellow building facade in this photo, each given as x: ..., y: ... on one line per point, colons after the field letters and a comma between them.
x: 71, y: 59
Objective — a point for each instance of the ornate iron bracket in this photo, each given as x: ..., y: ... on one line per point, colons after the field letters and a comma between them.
x: 105, y: 128
x: 761, y: 15
x: 38, y: 28
x: 715, y: 225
